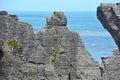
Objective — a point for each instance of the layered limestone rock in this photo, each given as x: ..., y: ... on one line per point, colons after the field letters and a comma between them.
x: 10, y: 27
x: 111, y: 69
x: 109, y: 15
x: 57, y: 19
x: 71, y: 60
x: 54, y: 53
x: 11, y: 67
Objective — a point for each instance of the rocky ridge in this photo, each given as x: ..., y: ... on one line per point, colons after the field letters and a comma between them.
x: 54, y: 53
x: 109, y: 16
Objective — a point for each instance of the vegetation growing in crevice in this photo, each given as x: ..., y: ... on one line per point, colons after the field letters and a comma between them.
x: 59, y: 36
x: 26, y: 69
x: 29, y: 69
x: 48, y: 26
x: 20, y: 56
x: 60, y: 50
x: 13, y: 43
x: 15, y: 46
x: 52, y: 57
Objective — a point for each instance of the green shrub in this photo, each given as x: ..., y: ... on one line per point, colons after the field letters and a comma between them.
x: 53, y: 56
x: 15, y: 46
x: 13, y: 43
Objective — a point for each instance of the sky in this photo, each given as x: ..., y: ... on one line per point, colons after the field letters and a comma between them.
x: 52, y: 5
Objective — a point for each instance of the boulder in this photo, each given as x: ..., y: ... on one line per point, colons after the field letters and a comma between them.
x: 3, y: 13
x: 57, y: 19
x: 13, y: 16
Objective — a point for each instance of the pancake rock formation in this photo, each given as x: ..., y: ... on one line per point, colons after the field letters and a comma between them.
x: 57, y: 19
x: 54, y: 53
x: 109, y: 16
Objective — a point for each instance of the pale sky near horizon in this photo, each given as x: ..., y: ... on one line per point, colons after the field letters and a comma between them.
x: 52, y: 5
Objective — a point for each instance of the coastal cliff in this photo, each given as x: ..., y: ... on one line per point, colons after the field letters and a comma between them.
x: 109, y: 16
x: 54, y: 53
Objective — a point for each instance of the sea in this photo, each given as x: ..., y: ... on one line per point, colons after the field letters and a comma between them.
x: 95, y: 38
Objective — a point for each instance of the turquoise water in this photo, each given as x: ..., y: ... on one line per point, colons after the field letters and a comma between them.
x: 96, y: 39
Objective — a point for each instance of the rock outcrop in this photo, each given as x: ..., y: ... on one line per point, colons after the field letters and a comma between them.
x: 11, y: 67
x: 72, y: 60
x: 57, y: 19
x: 54, y: 53
x: 111, y: 69
x: 109, y: 15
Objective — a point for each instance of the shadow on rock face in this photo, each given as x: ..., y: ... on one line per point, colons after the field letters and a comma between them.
x: 1, y: 53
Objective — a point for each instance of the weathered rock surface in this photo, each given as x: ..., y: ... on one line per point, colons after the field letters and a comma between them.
x: 54, y: 53
x: 111, y: 70
x: 34, y: 55
x: 72, y: 61
x: 3, y: 13
x: 57, y: 19
x: 109, y: 15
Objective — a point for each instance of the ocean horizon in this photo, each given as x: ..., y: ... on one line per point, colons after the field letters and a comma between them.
x: 95, y: 38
